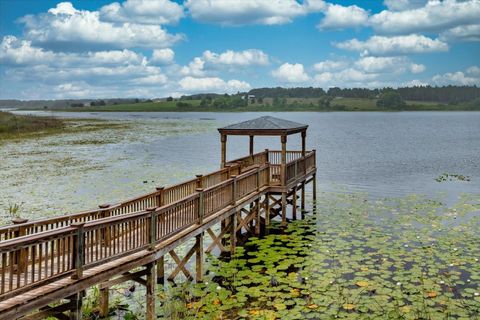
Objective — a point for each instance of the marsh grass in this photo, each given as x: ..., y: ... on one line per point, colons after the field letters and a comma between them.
x: 14, y: 128
x: 14, y: 125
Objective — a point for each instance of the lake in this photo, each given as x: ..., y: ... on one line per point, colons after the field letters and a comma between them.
x: 387, y: 238
x: 382, y: 154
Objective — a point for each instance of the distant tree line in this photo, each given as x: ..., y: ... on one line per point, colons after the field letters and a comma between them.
x: 446, y: 94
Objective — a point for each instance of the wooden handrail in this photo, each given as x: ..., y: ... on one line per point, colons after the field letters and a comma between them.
x: 79, y: 246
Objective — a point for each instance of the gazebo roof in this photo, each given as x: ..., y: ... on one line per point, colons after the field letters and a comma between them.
x: 266, y: 126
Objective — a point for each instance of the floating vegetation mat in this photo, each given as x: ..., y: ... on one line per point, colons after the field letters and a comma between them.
x: 356, y: 258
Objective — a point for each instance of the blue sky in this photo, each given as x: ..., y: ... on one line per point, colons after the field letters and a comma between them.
x: 157, y: 48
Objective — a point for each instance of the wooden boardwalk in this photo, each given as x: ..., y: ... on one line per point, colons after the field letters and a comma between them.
x: 48, y: 260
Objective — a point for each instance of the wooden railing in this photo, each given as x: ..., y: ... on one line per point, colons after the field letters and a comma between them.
x: 47, y: 249
x: 299, y: 167
x: 250, y: 160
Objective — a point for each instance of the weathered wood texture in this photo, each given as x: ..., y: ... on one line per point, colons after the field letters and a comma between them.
x: 38, y: 253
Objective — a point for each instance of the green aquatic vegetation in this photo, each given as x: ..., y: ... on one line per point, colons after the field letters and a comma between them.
x: 13, y: 210
x: 452, y: 177
x: 404, y: 258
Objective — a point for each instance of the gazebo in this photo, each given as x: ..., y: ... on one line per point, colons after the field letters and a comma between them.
x: 271, y: 126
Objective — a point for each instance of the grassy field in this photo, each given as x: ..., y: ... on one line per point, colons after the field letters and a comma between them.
x: 14, y: 125
x: 288, y: 104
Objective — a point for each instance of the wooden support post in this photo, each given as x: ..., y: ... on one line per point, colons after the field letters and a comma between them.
x: 251, y: 145
x: 314, y: 187
x: 103, y: 304
x: 284, y: 209
x: 201, y: 208
x: 161, y: 270
x: 294, y: 203
x: 223, y: 139
x: 233, y: 233
x: 76, y: 304
x: 304, y: 135
x: 199, y: 180
x: 198, y: 257
x: 302, y: 200
x: 20, y: 257
x: 283, y: 165
x: 258, y: 178
x: 160, y: 196
x: 267, y: 210
x: 105, y: 233
x: 257, y: 216
x: 78, y: 250
x: 153, y: 227
x: 234, y: 190
x: 267, y: 159
x: 150, y: 291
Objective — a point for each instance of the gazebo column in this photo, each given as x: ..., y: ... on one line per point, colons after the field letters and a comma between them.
x: 283, y: 164
x: 223, y: 139
x: 284, y: 179
x: 304, y: 136
x: 302, y: 188
x: 251, y: 145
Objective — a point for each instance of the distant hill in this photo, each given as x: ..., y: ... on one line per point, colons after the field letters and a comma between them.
x: 447, y: 95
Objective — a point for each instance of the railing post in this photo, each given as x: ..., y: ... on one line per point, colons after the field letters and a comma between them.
x: 160, y: 196
x: 201, y: 207
x: 266, y: 156
x: 105, y: 233
x: 21, y: 254
x: 199, y: 180
x: 296, y: 165
x: 234, y: 190
x: 258, y: 178
x: 153, y: 227
x: 268, y: 173
x: 78, y: 249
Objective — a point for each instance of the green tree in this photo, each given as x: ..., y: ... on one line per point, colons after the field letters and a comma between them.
x: 390, y: 100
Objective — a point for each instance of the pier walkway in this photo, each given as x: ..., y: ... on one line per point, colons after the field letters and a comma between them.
x: 56, y: 259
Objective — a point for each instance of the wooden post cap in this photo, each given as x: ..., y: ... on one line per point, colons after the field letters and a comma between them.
x: 151, y: 208
x: 199, y: 189
x: 19, y: 220
x: 160, y: 188
x: 103, y: 206
x: 233, y: 176
x: 199, y: 175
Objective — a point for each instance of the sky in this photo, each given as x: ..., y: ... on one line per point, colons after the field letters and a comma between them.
x: 159, y: 48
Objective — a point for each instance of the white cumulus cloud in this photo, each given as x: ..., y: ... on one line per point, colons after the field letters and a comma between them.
x: 330, y: 65
x: 388, y: 64
x: 143, y: 12
x: 66, y: 28
x: 339, y: 17
x: 237, y: 58
x: 228, y: 12
x: 396, y: 45
x: 401, y: 5
x: 435, y: 15
x: 163, y: 56
x: 212, y: 84
x: 469, y: 77
x: 470, y: 32
x: 291, y: 73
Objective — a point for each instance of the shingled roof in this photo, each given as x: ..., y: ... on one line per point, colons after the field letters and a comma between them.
x: 264, y: 126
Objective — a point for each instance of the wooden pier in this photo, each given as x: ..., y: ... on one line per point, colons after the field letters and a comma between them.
x: 46, y: 265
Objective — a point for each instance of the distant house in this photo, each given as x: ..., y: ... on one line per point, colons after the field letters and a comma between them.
x: 250, y: 98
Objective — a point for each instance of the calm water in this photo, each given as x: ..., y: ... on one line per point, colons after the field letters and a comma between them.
x: 382, y: 154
